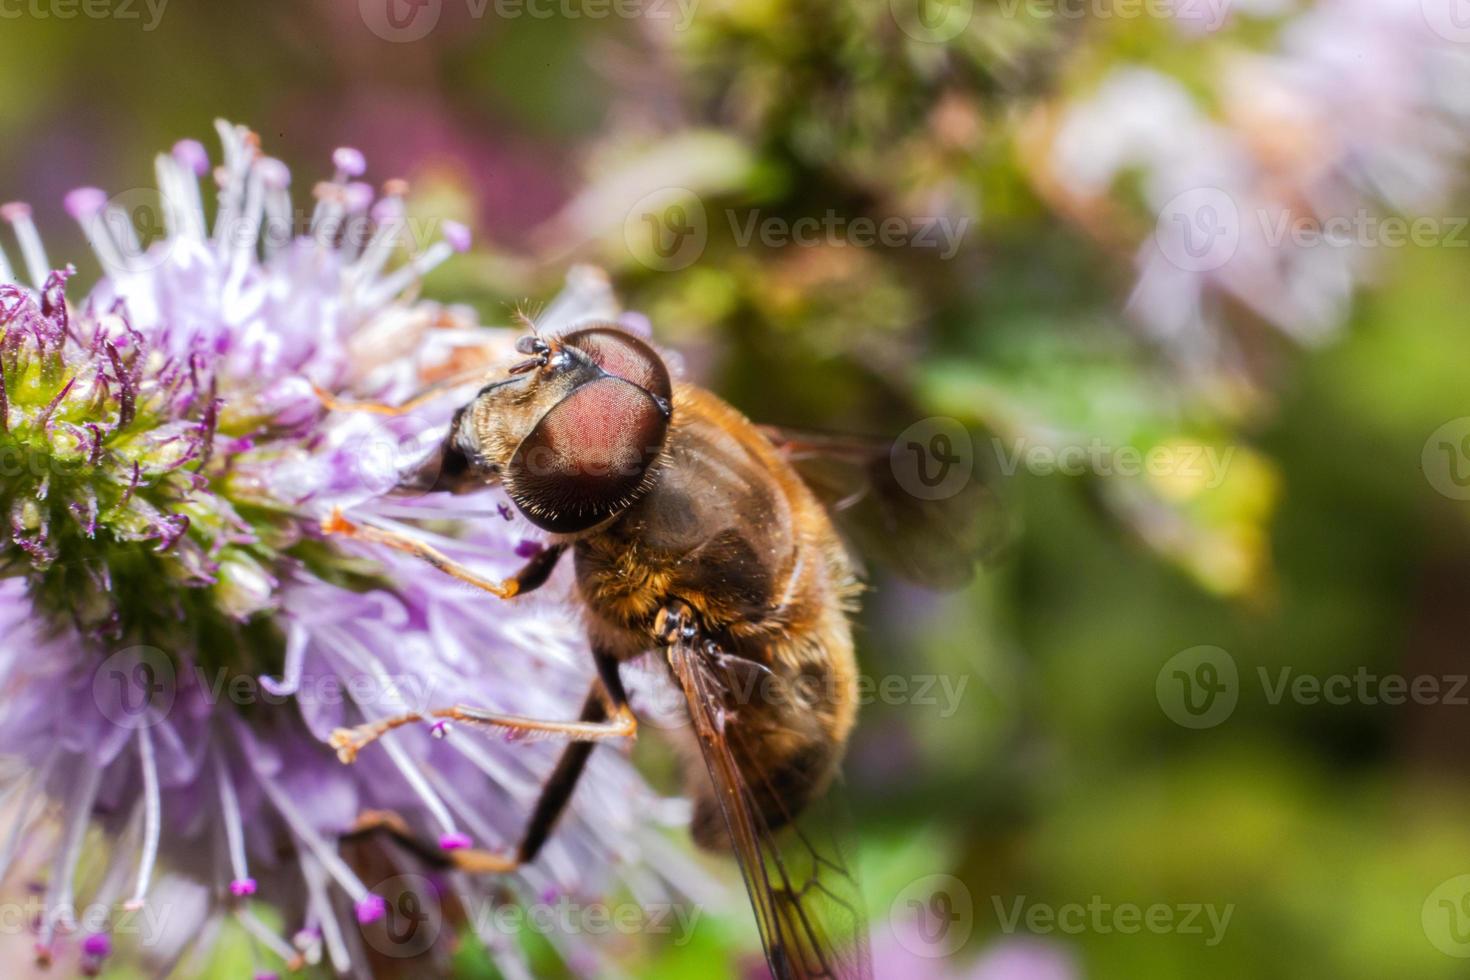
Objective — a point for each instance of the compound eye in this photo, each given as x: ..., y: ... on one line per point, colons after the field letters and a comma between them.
x: 623, y: 355
x: 588, y: 456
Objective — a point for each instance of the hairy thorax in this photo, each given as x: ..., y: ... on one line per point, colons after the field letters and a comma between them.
x: 729, y: 530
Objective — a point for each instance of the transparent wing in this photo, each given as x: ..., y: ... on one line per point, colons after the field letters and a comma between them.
x: 807, y: 902
x: 933, y: 541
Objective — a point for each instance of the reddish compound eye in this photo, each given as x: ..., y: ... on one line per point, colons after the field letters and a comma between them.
x: 589, y: 455
x: 623, y: 355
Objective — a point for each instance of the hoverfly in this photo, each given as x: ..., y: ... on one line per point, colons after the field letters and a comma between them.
x: 693, y: 535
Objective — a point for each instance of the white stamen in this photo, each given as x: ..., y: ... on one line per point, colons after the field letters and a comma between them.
x: 166, y: 172
x: 6, y: 273
x: 278, y: 230
x: 117, y: 868
x: 31, y: 249
x: 508, y: 957
x: 60, y: 892
x: 326, y: 222
x: 33, y: 788
x: 290, y: 681
x: 359, y: 657
x: 229, y: 804
x: 415, y: 779
x: 308, y: 836
x: 231, y: 177
x: 262, y: 934
x: 97, y: 219
x: 476, y: 823
x: 244, y: 239
x: 152, y: 819
x: 195, y: 956
x: 124, y: 234
x: 402, y: 278
x: 321, y: 907
x: 188, y: 203
x: 388, y: 213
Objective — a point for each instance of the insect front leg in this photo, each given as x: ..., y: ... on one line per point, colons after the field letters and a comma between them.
x: 436, y: 390
x: 531, y: 576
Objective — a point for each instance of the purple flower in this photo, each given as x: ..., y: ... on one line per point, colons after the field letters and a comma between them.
x: 181, y: 638
x: 1278, y: 193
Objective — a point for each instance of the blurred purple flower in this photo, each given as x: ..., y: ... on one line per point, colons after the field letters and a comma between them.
x: 1271, y: 194
x: 180, y: 639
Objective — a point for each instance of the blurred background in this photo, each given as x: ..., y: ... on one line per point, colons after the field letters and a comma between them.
x: 1192, y: 277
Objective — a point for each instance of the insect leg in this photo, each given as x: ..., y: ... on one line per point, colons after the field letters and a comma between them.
x: 532, y: 576
x: 472, y: 860
x: 349, y: 741
x: 607, y: 697
x: 436, y: 390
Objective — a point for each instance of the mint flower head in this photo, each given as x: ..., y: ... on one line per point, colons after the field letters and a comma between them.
x: 178, y: 639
